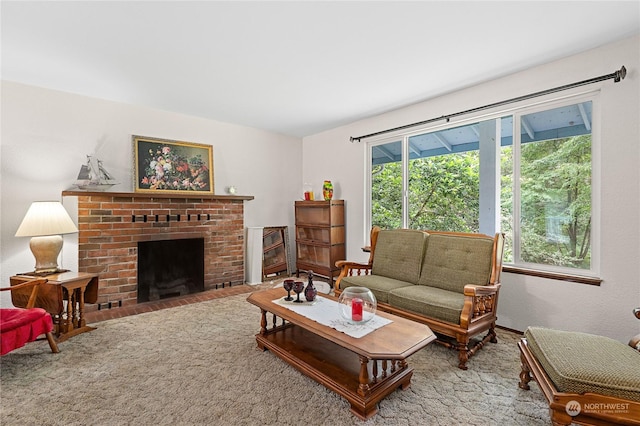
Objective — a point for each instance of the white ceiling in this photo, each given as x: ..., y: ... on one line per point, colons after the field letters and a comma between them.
x: 296, y: 68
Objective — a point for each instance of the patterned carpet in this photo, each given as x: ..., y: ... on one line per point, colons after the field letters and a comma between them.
x: 198, y: 365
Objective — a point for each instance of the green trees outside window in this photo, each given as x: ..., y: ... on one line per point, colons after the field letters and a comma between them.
x: 555, y: 200
x: 552, y: 185
x: 443, y: 193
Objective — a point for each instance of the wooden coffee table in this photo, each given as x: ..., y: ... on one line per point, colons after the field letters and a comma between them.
x: 362, y: 370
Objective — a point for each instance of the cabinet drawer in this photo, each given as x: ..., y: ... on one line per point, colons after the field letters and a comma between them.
x: 313, y: 234
x: 319, y: 212
x: 313, y: 254
x: 324, y: 256
x: 315, y: 215
x: 333, y: 235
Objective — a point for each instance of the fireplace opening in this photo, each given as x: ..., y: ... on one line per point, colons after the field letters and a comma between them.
x: 170, y: 268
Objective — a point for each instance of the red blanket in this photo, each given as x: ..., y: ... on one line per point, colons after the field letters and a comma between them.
x: 19, y: 326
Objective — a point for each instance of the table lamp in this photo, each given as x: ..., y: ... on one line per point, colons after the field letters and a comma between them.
x: 45, y: 221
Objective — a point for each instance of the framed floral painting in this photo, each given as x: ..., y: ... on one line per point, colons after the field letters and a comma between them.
x: 162, y: 165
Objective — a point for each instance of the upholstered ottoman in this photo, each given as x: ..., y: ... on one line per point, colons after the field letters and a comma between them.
x: 586, y: 378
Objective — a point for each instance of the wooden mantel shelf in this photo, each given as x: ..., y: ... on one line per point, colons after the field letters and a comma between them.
x: 183, y: 195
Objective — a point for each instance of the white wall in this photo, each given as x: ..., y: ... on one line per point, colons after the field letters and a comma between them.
x: 46, y: 135
x: 525, y: 300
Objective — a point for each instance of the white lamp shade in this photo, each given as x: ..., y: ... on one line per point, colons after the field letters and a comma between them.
x: 46, y: 218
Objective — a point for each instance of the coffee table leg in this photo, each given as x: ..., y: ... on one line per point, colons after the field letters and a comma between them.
x: 366, y: 407
x: 407, y: 381
x: 263, y: 328
x: 263, y: 322
x: 363, y: 378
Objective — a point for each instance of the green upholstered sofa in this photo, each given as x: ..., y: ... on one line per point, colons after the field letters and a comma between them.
x: 449, y: 281
x: 586, y: 379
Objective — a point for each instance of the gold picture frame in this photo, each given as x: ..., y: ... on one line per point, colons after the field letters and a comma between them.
x: 164, y: 165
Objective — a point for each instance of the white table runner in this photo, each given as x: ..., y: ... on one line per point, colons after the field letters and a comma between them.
x: 326, y: 312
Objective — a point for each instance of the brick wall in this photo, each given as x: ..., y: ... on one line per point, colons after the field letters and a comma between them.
x: 110, y: 227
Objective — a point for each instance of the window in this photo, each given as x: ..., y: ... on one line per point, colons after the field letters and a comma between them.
x: 527, y: 174
x: 386, y: 185
x: 442, y: 179
x: 552, y: 186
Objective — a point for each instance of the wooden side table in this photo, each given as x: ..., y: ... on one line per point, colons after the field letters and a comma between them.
x: 63, y: 296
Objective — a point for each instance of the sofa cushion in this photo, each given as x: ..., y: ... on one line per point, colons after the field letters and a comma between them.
x: 580, y: 362
x: 398, y: 254
x: 379, y: 286
x: 429, y: 301
x: 451, y: 262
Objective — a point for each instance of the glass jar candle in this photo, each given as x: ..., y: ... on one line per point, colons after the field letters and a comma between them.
x: 357, y: 304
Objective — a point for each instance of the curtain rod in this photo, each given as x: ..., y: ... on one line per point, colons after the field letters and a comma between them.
x: 616, y: 76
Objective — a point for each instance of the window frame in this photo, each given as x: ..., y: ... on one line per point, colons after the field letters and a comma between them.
x: 515, y: 111
x: 404, y: 144
x: 594, y: 270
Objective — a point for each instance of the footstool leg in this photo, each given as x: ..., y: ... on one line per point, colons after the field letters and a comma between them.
x: 525, y: 374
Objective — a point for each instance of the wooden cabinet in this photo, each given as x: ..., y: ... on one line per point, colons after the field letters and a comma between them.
x: 320, y: 236
x: 275, y: 259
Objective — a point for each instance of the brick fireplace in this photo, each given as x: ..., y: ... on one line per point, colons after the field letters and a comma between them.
x: 111, y: 224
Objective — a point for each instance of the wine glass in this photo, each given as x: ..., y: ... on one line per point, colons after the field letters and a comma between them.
x: 298, y: 286
x: 288, y: 285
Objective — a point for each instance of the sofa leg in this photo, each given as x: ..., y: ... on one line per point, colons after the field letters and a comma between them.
x: 492, y: 333
x: 463, y: 355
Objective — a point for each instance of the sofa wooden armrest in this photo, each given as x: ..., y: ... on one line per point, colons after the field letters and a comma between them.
x: 480, y: 290
x: 350, y: 269
x: 479, y: 301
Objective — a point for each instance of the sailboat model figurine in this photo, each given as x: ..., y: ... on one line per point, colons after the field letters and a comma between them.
x: 94, y: 177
